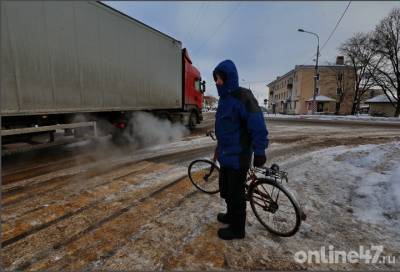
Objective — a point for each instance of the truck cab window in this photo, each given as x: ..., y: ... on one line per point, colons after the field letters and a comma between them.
x: 197, y: 85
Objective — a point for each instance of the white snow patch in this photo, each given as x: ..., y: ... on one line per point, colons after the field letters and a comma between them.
x: 178, y: 145
x: 395, y: 184
x: 35, y: 222
x: 364, y: 178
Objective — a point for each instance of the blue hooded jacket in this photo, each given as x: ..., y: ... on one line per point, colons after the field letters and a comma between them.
x: 239, y: 123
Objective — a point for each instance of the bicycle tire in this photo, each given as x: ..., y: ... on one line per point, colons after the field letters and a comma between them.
x: 253, y: 204
x: 196, y: 177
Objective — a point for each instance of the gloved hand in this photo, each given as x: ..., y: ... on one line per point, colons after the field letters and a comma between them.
x: 259, y: 160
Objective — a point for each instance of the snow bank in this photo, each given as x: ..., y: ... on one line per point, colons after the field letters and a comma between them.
x: 395, y: 182
x: 361, y: 117
x: 363, y: 179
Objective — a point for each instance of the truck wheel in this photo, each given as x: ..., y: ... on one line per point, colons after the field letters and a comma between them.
x: 192, y: 120
x: 119, y: 139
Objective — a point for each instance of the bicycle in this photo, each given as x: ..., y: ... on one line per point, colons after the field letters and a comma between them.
x: 266, y: 194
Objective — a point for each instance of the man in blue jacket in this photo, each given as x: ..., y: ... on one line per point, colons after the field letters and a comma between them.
x: 241, y: 131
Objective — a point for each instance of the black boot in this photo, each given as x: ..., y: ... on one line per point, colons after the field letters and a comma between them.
x: 236, y: 229
x: 223, y: 218
x: 229, y: 233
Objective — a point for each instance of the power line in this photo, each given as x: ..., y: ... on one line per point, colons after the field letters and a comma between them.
x: 197, y: 20
x: 337, y: 24
x: 218, y: 28
x: 333, y: 31
x: 308, y: 59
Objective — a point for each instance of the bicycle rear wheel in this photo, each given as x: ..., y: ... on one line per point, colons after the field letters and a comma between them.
x: 204, y: 175
x: 275, y: 207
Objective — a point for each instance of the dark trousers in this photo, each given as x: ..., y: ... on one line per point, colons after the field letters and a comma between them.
x: 232, y: 189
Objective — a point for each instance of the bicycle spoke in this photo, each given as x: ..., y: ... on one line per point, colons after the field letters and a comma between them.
x: 267, y: 202
x: 277, y: 196
x: 262, y: 206
x: 264, y: 195
x: 265, y: 190
x: 279, y: 216
x: 272, y: 192
x: 269, y: 195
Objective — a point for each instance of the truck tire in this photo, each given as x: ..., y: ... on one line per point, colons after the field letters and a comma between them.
x: 192, y: 120
x: 119, y: 138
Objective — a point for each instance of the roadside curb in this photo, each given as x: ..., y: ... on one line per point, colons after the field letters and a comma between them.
x: 339, y: 122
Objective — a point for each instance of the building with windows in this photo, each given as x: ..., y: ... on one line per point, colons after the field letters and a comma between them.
x: 381, y: 105
x: 293, y: 92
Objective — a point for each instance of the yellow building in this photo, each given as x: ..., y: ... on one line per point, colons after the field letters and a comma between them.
x: 293, y: 92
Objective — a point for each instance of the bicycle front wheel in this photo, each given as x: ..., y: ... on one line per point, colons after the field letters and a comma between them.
x: 204, y: 174
x: 275, y: 207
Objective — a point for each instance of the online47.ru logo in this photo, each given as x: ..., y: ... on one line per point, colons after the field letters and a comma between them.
x: 373, y: 255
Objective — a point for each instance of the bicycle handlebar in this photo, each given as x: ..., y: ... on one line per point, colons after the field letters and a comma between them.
x: 268, y: 171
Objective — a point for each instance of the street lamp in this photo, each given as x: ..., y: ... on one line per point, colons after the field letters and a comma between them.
x: 266, y: 105
x: 316, y: 76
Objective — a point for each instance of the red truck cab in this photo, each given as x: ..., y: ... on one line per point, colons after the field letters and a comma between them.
x: 193, y: 90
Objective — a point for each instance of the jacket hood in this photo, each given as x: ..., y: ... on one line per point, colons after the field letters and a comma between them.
x: 228, y: 68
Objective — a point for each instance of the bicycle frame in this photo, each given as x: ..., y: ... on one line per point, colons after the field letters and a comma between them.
x: 263, y: 189
x: 272, y: 172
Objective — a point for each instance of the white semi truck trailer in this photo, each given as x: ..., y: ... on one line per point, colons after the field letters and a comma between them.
x: 63, y: 59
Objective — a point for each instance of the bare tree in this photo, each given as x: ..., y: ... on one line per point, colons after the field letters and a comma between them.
x: 359, y: 53
x: 385, y: 40
x: 341, y: 78
x: 210, y: 101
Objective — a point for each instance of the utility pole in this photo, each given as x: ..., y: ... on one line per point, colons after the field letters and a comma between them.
x: 316, y: 74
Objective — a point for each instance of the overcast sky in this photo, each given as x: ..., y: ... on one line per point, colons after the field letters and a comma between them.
x: 260, y: 37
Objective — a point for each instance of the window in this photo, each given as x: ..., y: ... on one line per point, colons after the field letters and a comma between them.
x: 197, y: 85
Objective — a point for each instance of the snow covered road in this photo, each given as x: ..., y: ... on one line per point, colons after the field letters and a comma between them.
x: 97, y: 207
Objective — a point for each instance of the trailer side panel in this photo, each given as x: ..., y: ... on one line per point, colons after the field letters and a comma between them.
x: 67, y: 57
